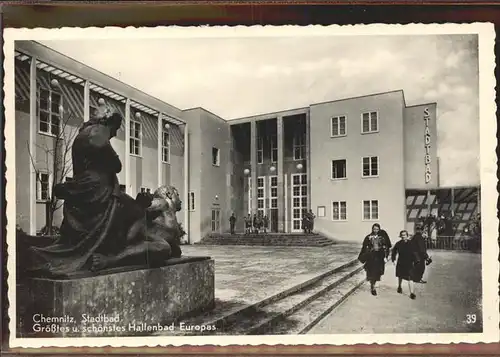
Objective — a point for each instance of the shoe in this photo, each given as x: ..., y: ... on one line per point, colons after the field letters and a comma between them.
x: 400, y: 291
x: 413, y: 296
x: 374, y: 292
x: 422, y: 282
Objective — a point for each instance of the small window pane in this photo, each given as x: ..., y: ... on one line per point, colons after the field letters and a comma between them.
x: 366, y: 209
x: 374, y: 166
x: 366, y: 123
x: 342, y: 126
x: 343, y: 210
x: 374, y: 121
x: 335, y: 210
x: 335, y: 126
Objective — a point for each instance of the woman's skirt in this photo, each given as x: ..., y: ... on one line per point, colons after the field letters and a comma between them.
x: 375, y: 266
x: 409, y: 270
x: 418, y: 271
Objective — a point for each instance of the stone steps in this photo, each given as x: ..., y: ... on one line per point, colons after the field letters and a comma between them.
x: 273, y: 239
x: 295, y: 310
x: 299, y: 312
x: 305, y: 318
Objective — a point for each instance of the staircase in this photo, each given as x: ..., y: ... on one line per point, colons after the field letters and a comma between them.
x: 268, y: 239
x: 294, y: 311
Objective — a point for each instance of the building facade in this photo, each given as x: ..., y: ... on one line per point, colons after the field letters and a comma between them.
x: 350, y: 161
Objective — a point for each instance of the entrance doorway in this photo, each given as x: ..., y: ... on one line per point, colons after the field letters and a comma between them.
x: 273, y: 203
x: 299, y: 200
x: 215, y: 220
x: 274, y: 220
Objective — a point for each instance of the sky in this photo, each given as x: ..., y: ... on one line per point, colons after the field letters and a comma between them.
x: 236, y: 77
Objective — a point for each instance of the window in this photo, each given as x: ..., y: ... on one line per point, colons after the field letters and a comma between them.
x: 49, y: 114
x: 135, y: 138
x: 274, y: 148
x: 339, y: 126
x: 321, y: 211
x: 370, y: 210
x: 215, y: 220
x: 215, y: 157
x: 339, y: 211
x: 261, y: 195
x: 273, y: 191
x: 42, y: 186
x: 370, y: 166
x: 369, y: 122
x: 299, y: 200
x: 299, y: 146
x: 191, y: 201
x: 165, y: 143
x: 339, y: 169
x: 260, y: 150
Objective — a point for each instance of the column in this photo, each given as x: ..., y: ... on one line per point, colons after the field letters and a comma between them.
x: 86, y: 101
x: 32, y: 145
x: 160, y: 149
x: 281, y: 174
x: 253, y: 164
x: 186, y: 183
x: 308, y: 159
x: 128, y: 188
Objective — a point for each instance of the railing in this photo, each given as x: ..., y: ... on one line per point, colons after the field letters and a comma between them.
x: 462, y: 243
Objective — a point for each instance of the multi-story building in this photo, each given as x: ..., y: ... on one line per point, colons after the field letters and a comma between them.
x: 350, y: 161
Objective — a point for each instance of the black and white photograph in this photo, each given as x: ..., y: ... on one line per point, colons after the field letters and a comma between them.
x: 275, y: 185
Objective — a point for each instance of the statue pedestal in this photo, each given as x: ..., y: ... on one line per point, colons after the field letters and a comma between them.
x: 131, y: 303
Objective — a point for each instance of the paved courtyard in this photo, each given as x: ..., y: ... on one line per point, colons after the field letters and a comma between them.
x: 247, y: 274
x: 453, y: 291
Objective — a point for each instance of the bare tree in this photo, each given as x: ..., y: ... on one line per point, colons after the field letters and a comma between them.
x: 57, y: 163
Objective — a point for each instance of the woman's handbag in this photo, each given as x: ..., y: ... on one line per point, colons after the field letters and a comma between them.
x: 363, y: 256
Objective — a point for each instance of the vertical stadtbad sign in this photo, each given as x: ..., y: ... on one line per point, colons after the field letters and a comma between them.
x: 427, y: 146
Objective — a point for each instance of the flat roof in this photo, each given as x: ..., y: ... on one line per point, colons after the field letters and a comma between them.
x: 267, y: 116
x: 304, y: 110
x: 68, y: 68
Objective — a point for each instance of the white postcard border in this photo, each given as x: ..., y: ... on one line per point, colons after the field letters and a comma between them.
x: 488, y: 158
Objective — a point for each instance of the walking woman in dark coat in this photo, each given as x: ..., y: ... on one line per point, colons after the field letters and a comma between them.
x: 408, y: 259
x: 373, y: 255
x: 423, y: 258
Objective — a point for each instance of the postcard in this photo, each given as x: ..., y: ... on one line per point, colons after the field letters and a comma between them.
x: 251, y: 185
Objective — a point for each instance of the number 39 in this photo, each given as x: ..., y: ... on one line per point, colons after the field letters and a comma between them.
x: 470, y: 318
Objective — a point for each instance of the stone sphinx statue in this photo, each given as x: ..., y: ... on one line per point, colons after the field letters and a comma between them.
x: 102, y: 226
